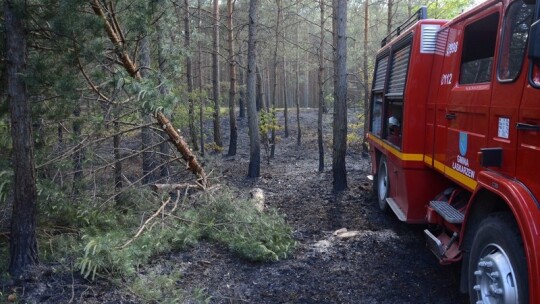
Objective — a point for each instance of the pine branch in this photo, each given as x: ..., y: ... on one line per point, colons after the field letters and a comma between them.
x: 90, y: 83
x: 116, y: 38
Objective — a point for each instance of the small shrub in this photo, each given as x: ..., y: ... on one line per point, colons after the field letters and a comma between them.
x: 267, y: 124
x: 213, y: 147
x: 354, y: 131
x: 253, y: 235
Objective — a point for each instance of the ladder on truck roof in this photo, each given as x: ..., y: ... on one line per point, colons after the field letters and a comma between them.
x: 419, y: 15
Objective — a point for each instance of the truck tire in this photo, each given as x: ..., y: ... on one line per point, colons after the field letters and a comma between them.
x: 497, y: 265
x: 383, y: 184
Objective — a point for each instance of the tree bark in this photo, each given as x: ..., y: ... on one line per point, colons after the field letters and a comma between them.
x: 163, y: 91
x: 78, y: 154
x: 285, y: 99
x: 183, y: 148
x: 149, y: 162
x: 366, y: 78
x: 275, y: 81
x: 259, y: 98
x: 241, y: 92
x: 297, y: 85
x: 253, y: 119
x: 23, y: 245
x: 340, y: 95
x: 117, y: 157
x: 389, y: 17
x: 215, y: 76
x: 201, y: 89
x: 321, y: 90
x: 266, y: 88
x: 189, y: 77
x: 232, y: 75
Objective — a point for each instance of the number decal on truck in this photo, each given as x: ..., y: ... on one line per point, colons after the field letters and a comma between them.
x: 446, y: 79
x: 452, y: 48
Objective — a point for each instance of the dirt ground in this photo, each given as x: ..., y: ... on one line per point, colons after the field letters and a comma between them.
x: 387, y: 262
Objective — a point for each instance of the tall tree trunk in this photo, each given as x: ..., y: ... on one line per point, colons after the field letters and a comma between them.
x: 267, y: 88
x: 260, y: 94
x: 78, y: 154
x: 149, y: 161
x: 189, y: 76
x: 366, y: 78
x: 163, y: 91
x: 232, y: 74
x: 285, y: 99
x: 306, y: 89
x: 340, y: 95
x: 321, y: 90
x: 22, y: 245
x: 215, y: 76
x: 389, y: 17
x: 297, y: 85
x: 275, y: 79
x: 241, y: 82
x: 117, y: 156
x: 254, y: 169
x: 201, y: 89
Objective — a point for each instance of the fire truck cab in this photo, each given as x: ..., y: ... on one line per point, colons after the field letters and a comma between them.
x: 454, y: 140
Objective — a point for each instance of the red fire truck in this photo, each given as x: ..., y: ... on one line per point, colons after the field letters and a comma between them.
x: 455, y: 142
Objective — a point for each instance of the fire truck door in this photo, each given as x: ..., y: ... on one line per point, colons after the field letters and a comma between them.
x: 528, y: 138
x: 528, y: 126
x: 511, y: 77
x: 469, y: 100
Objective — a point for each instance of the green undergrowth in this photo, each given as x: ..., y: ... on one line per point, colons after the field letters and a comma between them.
x: 115, y: 239
x: 354, y: 138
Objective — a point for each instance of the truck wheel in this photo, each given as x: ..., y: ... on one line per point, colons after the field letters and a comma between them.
x: 383, y: 184
x: 497, y: 265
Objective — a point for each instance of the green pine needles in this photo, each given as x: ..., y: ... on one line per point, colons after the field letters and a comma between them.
x: 253, y: 235
x: 118, y: 239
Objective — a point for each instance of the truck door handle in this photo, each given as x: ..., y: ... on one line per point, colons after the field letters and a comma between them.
x: 451, y: 116
x: 527, y: 127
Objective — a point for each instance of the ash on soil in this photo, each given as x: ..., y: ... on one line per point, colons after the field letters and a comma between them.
x: 387, y: 262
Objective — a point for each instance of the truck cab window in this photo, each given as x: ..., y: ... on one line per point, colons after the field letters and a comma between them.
x: 478, y: 50
x: 514, y: 41
x: 535, y: 76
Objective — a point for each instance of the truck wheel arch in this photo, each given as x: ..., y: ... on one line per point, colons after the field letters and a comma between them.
x: 493, y: 194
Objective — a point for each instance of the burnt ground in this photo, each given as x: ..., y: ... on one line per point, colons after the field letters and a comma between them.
x: 387, y: 262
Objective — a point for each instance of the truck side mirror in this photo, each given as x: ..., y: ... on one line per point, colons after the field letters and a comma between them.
x: 534, y: 42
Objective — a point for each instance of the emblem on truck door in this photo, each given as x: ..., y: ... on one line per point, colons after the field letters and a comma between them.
x: 462, y: 163
x: 462, y: 143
